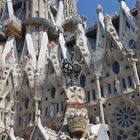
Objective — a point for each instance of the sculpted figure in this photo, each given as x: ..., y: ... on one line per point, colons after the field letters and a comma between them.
x: 117, y: 86
x: 51, y: 110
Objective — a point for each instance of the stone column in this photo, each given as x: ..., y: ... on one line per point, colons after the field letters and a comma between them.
x: 16, y: 114
x: 138, y: 10
x: 99, y: 98
x: 10, y: 9
x: 40, y: 36
x: 46, y: 9
x: 138, y: 21
x: 32, y: 9
x: 121, y: 20
x: 99, y: 10
x: 135, y: 72
x: 36, y: 111
x: 100, y: 25
x: 41, y: 8
x: 27, y: 9
x: 0, y: 116
x: 35, y: 36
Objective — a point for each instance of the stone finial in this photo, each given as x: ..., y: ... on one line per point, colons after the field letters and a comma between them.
x: 99, y: 9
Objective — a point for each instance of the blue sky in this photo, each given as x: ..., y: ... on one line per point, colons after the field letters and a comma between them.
x: 88, y: 8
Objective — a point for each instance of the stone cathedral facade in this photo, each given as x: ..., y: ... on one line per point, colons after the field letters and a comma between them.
x: 62, y: 81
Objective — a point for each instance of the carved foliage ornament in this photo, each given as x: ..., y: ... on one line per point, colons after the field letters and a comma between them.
x: 76, y: 94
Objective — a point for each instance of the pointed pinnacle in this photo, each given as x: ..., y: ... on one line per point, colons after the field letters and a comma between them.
x: 99, y: 9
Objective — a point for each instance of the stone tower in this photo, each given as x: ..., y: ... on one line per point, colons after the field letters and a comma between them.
x: 60, y: 81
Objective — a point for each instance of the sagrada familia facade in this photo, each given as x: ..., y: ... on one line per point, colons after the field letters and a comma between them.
x: 60, y: 80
